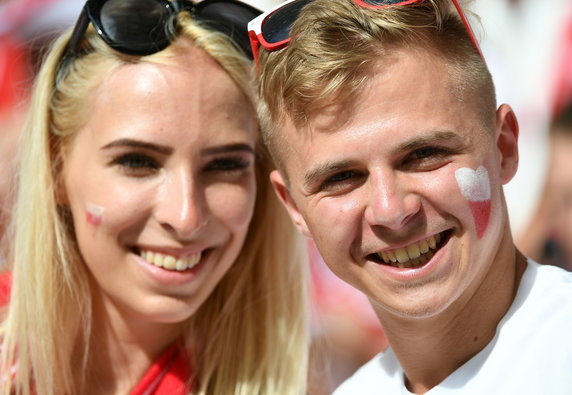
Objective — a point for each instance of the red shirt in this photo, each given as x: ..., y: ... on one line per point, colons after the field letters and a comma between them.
x: 169, y: 375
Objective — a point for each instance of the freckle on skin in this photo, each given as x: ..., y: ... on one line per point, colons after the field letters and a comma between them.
x: 94, y: 214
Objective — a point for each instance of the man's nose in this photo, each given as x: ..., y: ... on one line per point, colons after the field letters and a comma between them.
x: 392, y: 203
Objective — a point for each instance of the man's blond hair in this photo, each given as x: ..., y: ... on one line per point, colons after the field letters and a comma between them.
x: 336, y: 47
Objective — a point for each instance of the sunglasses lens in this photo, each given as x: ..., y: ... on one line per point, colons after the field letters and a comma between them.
x: 277, y: 26
x: 228, y: 17
x: 136, y: 27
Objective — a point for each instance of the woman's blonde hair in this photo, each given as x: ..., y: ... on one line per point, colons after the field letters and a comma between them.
x: 249, y: 337
x: 338, y: 45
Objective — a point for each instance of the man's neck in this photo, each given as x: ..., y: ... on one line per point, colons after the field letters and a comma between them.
x: 430, y: 349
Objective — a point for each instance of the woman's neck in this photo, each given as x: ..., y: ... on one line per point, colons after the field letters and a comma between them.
x: 122, y: 347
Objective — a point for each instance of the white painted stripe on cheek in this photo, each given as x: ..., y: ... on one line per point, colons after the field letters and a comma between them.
x: 474, y: 185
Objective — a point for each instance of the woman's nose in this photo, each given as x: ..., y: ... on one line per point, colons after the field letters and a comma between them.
x: 182, y: 208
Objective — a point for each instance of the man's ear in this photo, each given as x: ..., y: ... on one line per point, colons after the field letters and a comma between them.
x: 507, y: 142
x: 283, y: 194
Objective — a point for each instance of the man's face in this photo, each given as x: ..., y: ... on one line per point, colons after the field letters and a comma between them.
x: 412, y: 176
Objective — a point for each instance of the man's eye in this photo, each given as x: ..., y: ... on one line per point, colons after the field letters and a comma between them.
x: 427, y: 152
x: 341, y: 176
x: 426, y: 158
x: 342, y: 181
x: 137, y: 165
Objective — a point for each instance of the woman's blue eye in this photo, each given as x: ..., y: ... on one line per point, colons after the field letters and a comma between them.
x: 137, y: 165
x: 228, y: 164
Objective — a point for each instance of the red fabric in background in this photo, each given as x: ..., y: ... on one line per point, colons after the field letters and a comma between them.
x: 5, y: 285
x: 563, y: 91
x: 14, y: 72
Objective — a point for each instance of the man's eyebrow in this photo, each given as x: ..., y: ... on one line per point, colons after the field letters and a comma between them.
x: 131, y: 143
x: 432, y: 138
x: 317, y: 173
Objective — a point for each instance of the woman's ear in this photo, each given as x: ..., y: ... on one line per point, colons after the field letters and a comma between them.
x: 506, y: 134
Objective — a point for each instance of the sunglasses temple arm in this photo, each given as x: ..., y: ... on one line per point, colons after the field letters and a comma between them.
x: 78, y: 32
x: 469, y: 28
x: 254, y: 45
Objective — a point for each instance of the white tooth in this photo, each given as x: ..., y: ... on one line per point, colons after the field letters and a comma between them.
x: 423, y: 246
x: 384, y: 256
x: 194, y: 260
x: 438, y: 237
x: 391, y: 256
x: 169, y: 262
x: 432, y: 243
x: 401, y: 255
x: 413, y: 251
x: 158, y: 260
x: 181, y: 264
x: 149, y: 256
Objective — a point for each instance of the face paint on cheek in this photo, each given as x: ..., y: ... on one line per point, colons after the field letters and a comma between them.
x: 94, y: 214
x: 476, y: 188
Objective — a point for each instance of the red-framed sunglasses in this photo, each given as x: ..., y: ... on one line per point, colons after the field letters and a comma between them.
x: 271, y: 30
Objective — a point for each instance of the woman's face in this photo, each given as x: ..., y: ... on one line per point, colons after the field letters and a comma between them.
x: 161, y: 185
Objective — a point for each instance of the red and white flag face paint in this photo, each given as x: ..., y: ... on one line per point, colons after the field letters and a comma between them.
x: 94, y: 214
x: 476, y: 188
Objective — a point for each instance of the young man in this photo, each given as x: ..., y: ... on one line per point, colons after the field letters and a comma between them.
x: 392, y: 156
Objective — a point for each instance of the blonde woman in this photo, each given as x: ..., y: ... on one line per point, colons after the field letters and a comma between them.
x: 149, y: 254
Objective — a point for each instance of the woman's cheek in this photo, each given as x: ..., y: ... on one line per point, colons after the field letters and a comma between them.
x: 232, y: 204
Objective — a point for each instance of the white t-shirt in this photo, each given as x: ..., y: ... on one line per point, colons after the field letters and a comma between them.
x: 530, y: 354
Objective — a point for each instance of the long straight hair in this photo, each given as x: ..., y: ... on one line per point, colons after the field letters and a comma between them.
x: 249, y: 337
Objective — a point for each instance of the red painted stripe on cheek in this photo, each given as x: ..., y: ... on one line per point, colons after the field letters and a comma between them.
x: 93, y: 219
x: 481, y: 213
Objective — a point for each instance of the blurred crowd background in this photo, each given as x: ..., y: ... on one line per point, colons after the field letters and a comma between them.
x: 528, y: 47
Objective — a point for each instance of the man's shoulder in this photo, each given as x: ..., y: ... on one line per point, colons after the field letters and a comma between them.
x: 544, y: 297
x: 547, y: 284
x: 383, y: 371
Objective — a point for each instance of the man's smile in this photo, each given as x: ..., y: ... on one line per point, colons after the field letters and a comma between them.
x: 412, y: 255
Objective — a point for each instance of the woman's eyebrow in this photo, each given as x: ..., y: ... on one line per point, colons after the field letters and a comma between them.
x: 131, y: 143
x: 238, y: 147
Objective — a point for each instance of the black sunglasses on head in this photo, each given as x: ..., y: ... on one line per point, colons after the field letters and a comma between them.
x: 144, y: 27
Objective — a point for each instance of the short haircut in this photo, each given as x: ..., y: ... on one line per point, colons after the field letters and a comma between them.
x: 336, y: 46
